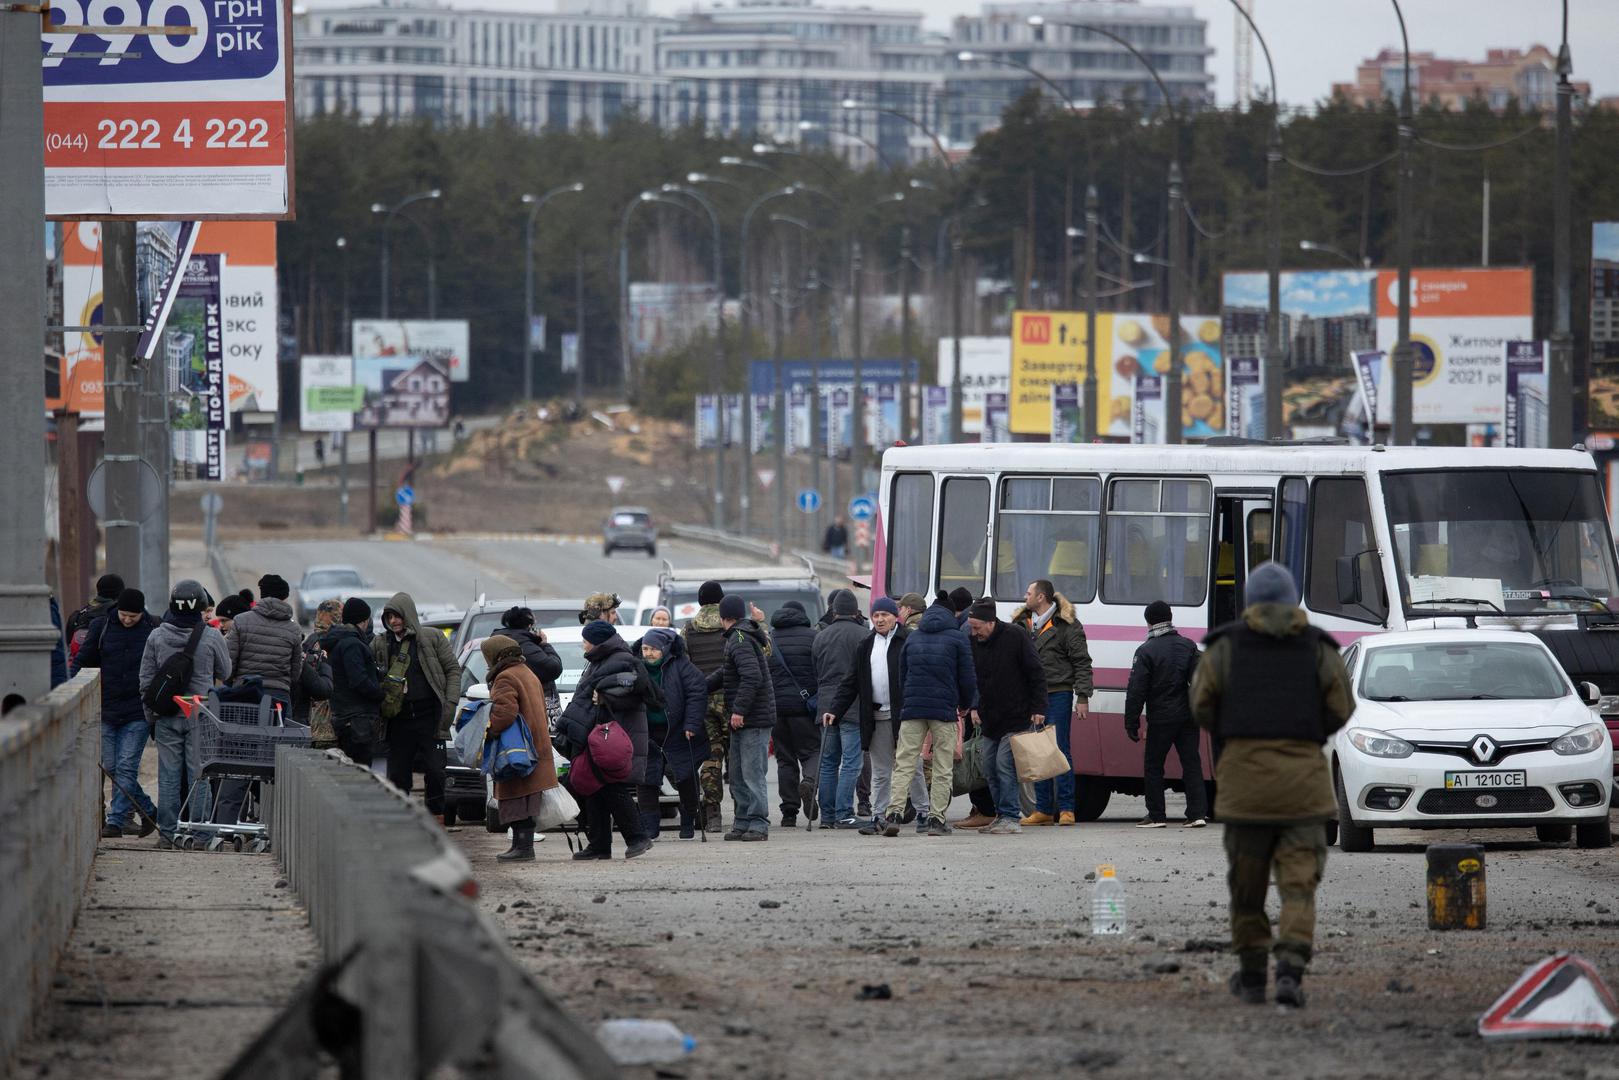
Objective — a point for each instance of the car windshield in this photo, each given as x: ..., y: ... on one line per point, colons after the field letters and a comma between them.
x: 331, y: 579
x: 1520, y: 541
x: 630, y: 521
x: 485, y: 623
x: 572, y: 654
x: 683, y: 603
x: 1460, y: 671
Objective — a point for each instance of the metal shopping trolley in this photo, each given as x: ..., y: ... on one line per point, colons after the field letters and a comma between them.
x: 233, y: 743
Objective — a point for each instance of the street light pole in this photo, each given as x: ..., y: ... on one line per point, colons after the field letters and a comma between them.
x: 719, y: 355
x: 905, y: 322
x: 1403, y: 432
x: 1173, y: 424
x: 1560, y: 375
x: 534, y: 203
x: 348, y: 339
x: 955, y: 328
x: 1093, y: 223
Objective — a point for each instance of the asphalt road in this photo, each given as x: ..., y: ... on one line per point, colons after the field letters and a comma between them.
x: 764, y: 951
x: 455, y: 571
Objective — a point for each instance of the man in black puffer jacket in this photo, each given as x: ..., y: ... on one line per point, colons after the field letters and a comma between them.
x: 1011, y: 698
x: 114, y: 642
x: 750, y: 707
x: 797, y: 734
x: 356, y: 683
x: 265, y: 641
x: 1161, y: 679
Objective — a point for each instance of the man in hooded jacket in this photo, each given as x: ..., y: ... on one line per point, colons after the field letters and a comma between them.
x: 356, y: 682
x: 178, y: 768
x: 705, y: 645
x: 432, y: 687
x: 797, y: 737
x: 750, y: 707
x: 1273, y: 689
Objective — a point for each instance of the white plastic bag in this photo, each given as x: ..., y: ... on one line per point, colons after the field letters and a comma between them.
x: 470, y: 735
x: 556, y: 808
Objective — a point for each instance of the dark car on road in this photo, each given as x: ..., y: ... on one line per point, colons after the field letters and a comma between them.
x: 630, y: 527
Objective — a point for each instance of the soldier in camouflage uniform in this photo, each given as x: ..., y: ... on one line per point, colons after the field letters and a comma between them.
x: 603, y: 606
x: 705, y: 644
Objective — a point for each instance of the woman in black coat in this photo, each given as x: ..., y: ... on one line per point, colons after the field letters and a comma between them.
x: 608, y: 655
x: 685, y: 697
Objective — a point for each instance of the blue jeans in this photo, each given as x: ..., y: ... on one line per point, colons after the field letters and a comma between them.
x: 178, y: 770
x: 1000, y: 769
x: 750, y: 798
x: 121, y: 749
x: 841, y: 762
x: 1059, y: 712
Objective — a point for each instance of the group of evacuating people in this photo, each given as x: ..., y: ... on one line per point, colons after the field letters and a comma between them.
x: 866, y: 716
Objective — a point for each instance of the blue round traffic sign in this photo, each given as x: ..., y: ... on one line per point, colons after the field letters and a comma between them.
x: 809, y: 500
x: 862, y: 508
x: 405, y: 496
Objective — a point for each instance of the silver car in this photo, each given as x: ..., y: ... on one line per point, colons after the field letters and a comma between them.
x: 630, y: 527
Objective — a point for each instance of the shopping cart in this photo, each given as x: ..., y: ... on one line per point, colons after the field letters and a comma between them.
x: 233, y: 743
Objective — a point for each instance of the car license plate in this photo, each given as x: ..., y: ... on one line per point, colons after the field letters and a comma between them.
x: 1509, y: 778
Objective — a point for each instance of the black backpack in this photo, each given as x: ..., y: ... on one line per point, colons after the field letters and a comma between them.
x: 173, y: 676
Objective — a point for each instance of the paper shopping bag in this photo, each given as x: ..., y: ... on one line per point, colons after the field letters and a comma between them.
x: 1037, y: 756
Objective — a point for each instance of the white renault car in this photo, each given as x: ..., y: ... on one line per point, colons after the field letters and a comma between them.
x: 1468, y: 729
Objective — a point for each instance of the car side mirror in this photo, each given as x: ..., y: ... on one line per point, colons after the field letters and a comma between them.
x: 1590, y: 693
x: 1348, y: 572
x: 478, y: 692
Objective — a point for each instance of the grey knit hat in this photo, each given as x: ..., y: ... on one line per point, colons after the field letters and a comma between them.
x: 1271, y: 583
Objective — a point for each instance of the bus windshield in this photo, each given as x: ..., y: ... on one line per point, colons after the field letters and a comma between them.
x: 1514, y: 541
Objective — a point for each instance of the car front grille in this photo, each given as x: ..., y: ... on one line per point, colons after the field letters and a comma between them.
x: 1507, y: 801
x: 1464, y: 750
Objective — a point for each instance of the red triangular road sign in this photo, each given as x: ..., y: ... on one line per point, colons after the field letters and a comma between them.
x: 1560, y: 997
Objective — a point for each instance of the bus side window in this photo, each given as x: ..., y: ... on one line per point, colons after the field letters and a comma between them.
x: 1341, y: 525
x: 1289, y: 549
x: 910, y: 533
x: 963, y: 533
x: 1157, y: 542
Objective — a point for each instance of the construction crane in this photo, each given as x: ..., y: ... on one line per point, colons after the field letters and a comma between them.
x: 1244, y: 54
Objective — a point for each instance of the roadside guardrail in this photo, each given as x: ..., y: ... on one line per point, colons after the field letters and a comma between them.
x: 825, y: 566
x: 415, y: 976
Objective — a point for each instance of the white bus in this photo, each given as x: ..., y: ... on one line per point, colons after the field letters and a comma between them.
x: 1378, y: 539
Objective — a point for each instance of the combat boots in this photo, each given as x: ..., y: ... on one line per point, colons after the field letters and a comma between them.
x: 522, y: 849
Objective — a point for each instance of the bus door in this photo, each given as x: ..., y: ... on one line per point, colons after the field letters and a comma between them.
x: 1242, y: 540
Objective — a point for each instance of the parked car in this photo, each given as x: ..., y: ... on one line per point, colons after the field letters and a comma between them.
x: 630, y: 527
x: 464, y: 786
x: 1469, y: 729
x: 324, y: 583
x: 769, y: 587
x: 441, y: 617
x: 483, y: 617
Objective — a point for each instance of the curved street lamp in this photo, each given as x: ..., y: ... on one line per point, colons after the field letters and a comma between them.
x: 1328, y: 249
x: 388, y: 213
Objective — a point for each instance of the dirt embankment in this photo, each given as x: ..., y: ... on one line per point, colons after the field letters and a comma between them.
x: 526, y: 475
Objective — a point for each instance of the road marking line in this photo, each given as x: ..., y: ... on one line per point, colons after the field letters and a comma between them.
x: 1038, y: 870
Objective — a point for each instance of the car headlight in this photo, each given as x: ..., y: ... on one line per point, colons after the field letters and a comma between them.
x: 1379, y: 743
x: 1582, y: 740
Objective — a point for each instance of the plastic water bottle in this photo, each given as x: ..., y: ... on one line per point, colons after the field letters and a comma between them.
x: 1107, y: 903
x: 644, y: 1042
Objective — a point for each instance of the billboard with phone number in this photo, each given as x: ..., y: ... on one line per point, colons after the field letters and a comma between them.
x: 154, y: 125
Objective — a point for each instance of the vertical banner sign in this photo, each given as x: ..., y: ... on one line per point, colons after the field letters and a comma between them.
x: 733, y: 420
x: 997, y: 419
x: 1067, y: 412
x: 798, y: 420
x: 168, y: 126
x: 1245, y: 398
x: 936, y: 415
x: 838, y: 421
x: 708, y: 421
x: 1526, y: 403
x: 536, y: 333
x: 1368, y: 373
x: 1147, y: 425
x: 570, y: 353
x: 882, y: 416
x: 194, y: 342
x: 764, y: 422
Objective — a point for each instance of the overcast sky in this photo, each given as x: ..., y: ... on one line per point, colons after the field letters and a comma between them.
x: 1318, y: 42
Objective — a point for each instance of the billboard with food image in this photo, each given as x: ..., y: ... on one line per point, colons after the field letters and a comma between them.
x: 1140, y: 348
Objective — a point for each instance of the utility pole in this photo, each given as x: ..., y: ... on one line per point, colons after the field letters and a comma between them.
x: 1272, y: 364
x: 905, y: 327
x: 1403, y: 432
x: 119, y: 309
x: 579, y: 325
x: 857, y: 395
x: 1068, y: 244
x: 26, y: 634
x: 155, y: 449
x: 955, y: 328
x: 342, y: 437
x: 1093, y: 220
x: 779, y: 405
x: 528, y: 302
x: 1177, y: 267
x: 1560, y: 376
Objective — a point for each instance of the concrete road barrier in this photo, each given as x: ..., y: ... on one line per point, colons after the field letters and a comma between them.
x: 421, y: 977
x: 50, y: 808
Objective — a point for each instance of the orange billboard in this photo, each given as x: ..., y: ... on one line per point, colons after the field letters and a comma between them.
x: 1459, y: 293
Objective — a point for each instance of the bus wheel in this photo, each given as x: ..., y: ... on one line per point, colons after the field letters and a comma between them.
x: 1090, y: 797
